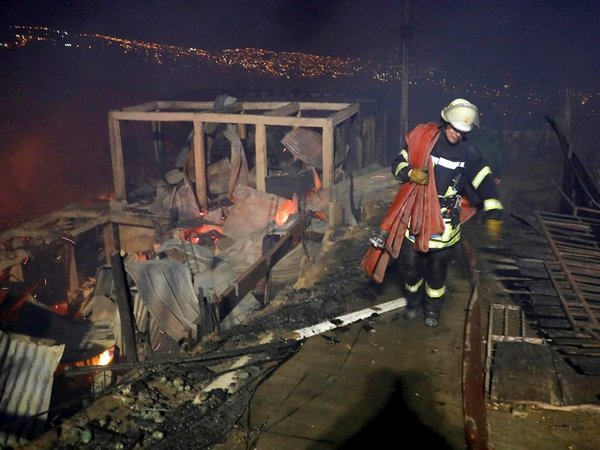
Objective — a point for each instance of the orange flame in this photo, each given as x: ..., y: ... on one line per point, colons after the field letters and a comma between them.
x: 321, y: 215
x: 286, y: 209
x: 318, y: 184
x: 192, y: 234
x: 203, y: 229
x: 103, y: 359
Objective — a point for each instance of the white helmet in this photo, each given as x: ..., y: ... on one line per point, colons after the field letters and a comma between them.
x: 461, y: 114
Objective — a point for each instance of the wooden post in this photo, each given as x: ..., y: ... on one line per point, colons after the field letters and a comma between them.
x: 200, y: 164
x: 159, y: 150
x: 108, y: 236
x: 328, y: 157
x: 125, y: 306
x: 356, y: 140
x: 116, y: 154
x: 261, y: 157
x: 370, y: 141
x: 328, y: 176
x: 242, y: 132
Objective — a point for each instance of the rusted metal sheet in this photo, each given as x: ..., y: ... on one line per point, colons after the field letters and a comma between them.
x: 305, y: 145
x: 26, y: 377
x: 477, y: 433
x: 474, y: 407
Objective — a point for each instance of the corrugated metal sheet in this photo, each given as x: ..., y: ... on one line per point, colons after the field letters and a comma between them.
x: 26, y: 378
x: 306, y: 145
x: 82, y: 339
x: 165, y: 286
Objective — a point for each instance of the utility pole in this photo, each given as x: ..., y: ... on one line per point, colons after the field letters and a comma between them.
x: 404, y: 34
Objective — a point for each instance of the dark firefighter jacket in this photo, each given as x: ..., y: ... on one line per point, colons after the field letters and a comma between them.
x: 460, y: 173
x: 422, y: 212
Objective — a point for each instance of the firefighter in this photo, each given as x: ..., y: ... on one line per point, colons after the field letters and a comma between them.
x: 459, y: 175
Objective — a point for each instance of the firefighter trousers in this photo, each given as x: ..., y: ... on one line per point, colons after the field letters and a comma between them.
x: 424, y: 275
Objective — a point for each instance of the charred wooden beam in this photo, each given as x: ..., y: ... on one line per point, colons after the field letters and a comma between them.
x: 124, y: 304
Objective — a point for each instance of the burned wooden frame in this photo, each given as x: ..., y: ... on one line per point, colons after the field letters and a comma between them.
x: 259, y: 114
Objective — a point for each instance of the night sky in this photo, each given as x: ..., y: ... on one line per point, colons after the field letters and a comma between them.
x: 555, y: 39
x: 53, y: 105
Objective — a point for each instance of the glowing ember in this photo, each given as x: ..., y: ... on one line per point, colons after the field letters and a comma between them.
x: 286, y: 209
x: 105, y: 196
x: 203, y: 229
x: 204, y: 234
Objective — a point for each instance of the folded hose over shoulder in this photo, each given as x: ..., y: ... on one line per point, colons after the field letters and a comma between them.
x: 414, y: 204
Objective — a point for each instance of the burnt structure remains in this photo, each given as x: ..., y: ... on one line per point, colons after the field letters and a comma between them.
x: 216, y: 205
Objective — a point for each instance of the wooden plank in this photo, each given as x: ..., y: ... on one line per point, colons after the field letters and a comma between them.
x: 328, y: 159
x: 125, y: 307
x: 317, y: 106
x: 137, y: 220
x: 540, y: 299
x: 234, y: 108
x: 342, y: 115
x: 261, y: 157
x: 554, y: 323
x: 304, y: 106
x: 250, y: 106
x: 549, y: 311
x: 179, y: 105
x: 76, y: 213
x: 284, y: 110
x: 212, y: 117
x: 200, y: 164
x: 581, y: 342
x: 87, y: 226
x: 22, y: 233
x: 108, y: 237
x: 562, y: 334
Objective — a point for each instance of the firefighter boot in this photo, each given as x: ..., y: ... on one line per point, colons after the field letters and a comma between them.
x: 414, y: 300
x: 431, y: 310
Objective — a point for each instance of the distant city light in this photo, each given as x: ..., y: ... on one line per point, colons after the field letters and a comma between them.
x: 286, y: 65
